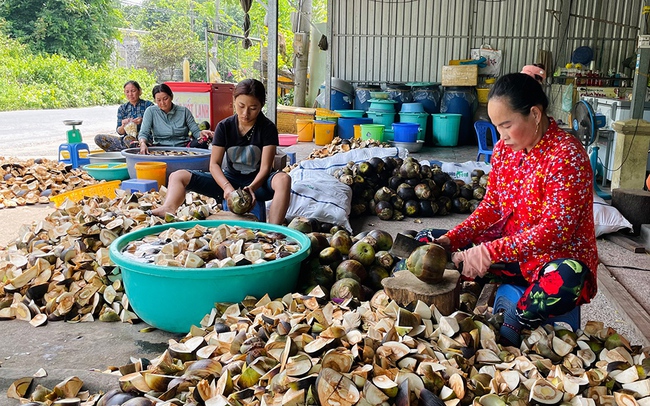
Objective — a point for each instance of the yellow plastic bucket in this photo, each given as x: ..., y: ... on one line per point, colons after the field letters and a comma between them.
x: 153, y: 171
x: 482, y: 95
x: 305, y: 129
x: 324, y: 132
x: 357, y: 130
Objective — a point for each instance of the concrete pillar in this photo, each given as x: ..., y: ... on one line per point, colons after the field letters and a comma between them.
x: 630, y: 153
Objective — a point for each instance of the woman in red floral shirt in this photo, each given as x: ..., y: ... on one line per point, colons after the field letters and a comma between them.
x: 537, y: 215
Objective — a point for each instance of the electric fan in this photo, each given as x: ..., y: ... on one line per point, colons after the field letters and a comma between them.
x: 585, y: 126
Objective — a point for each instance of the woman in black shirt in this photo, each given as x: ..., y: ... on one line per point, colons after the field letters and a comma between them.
x: 248, y: 141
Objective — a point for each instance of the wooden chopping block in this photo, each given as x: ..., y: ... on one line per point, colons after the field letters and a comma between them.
x: 404, y: 288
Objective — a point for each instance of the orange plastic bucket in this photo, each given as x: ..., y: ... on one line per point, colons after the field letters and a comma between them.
x: 153, y: 171
x: 305, y: 130
x: 357, y: 130
x: 324, y: 132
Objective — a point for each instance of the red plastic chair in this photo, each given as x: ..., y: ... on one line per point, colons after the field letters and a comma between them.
x: 482, y: 127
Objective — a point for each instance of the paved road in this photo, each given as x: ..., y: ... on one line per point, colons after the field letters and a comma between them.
x: 38, y: 133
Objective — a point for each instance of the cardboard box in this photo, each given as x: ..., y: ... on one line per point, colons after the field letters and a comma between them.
x: 459, y: 75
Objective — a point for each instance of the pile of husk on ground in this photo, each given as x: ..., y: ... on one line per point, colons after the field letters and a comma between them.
x: 338, y: 145
x: 304, y: 350
x: 32, y: 181
x: 59, y: 268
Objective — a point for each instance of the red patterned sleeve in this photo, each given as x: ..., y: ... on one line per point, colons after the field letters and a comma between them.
x: 487, y: 212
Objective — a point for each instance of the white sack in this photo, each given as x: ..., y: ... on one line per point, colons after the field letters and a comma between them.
x: 316, y: 194
x: 607, y: 218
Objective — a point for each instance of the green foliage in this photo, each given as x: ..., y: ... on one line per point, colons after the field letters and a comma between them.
x: 71, y: 28
x: 233, y: 62
x: 167, y: 44
x: 41, y: 81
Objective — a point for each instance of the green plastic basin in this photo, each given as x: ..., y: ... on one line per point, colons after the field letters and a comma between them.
x: 351, y: 113
x: 108, y: 171
x: 174, y: 298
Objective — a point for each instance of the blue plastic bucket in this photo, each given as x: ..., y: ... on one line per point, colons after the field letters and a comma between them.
x: 345, y: 126
x: 406, y: 132
x: 445, y: 129
x: 379, y: 117
x: 461, y: 100
x: 420, y: 118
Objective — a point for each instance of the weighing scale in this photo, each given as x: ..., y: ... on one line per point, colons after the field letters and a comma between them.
x: 74, y: 135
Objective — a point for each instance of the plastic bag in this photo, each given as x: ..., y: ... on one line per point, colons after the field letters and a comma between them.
x: 463, y: 171
x: 492, y: 59
x: 567, y: 99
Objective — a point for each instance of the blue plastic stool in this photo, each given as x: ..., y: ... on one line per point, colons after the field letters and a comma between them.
x: 259, y: 210
x: 139, y: 185
x: 507, y: 297
x: 74, y: 150
x: 482, y: 127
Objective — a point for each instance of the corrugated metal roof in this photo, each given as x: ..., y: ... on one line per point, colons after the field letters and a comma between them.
x: 383, y: 41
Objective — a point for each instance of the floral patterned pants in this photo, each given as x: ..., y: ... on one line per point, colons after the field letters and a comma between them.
x: 554, y: 293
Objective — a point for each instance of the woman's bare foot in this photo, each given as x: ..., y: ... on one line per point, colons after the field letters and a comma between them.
x: 162, y: 211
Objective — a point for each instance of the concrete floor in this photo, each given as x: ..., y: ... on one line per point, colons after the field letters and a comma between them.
x: 86, y: 349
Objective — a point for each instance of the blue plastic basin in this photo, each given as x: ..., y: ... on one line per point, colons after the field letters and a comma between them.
x: 416, y: 107
x: 199, y: 160
x: 173, y: 298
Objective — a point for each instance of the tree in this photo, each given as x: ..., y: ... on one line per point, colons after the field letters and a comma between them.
x: 72, y: 28
x: 167, y: 44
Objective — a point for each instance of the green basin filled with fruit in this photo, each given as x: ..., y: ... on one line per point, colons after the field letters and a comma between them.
x: 172, y: 297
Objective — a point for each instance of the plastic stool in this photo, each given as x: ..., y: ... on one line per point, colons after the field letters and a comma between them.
x: 292, y: 157
x: 507, y: 297
x: 73, y: 150
x: 139, y: 185
x: 482, y: 127
x: 259, y: 210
